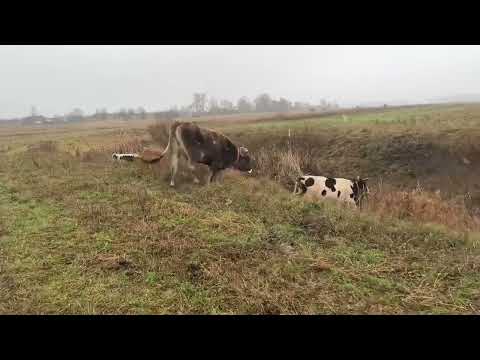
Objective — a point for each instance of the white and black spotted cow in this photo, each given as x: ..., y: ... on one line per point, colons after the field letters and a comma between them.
x: 321, y: 187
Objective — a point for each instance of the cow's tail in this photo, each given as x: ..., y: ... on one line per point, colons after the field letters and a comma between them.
x: 151, y: 156
x: 171, y: 134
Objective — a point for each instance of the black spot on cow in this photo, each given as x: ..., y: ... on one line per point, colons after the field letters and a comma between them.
x: 324, y: 192
x: 309, y: 182
x: 338, y: 194
x: 330, y: 183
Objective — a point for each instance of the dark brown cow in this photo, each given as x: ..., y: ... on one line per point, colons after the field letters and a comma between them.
x: 204, y: 146
x: 198, y: 146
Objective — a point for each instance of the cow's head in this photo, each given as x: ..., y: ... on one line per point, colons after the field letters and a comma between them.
x: 301, y: 185
x: 114, y: 156
x: 360, y: 189
x: 245, y: 161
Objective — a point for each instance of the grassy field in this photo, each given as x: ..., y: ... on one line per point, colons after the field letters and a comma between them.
x: 81, y: 234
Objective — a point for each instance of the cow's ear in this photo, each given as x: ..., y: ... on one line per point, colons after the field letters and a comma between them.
x: 365, y: 180
x: 309, y: 182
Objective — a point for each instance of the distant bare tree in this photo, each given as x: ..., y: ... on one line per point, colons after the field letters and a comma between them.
x: 131, y: 113
x: 141, y: 112
x: 123, y: 114
x: 199, y: 102
x: 263, y: 103
x: 101, y: 113
x: 77, y: 112
x: 323, y: 104
x: 284, y: 105
x: 213, y: 107
x: 75, y: 115
x: 244, y: 105
x: 226, y: 106
x: 301, y: 106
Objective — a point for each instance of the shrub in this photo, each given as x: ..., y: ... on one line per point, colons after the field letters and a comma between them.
x: 422, y: 206
x: 43, y: 146
x: 105, y: 151
x: 159, y: 132
x: 287, y: 159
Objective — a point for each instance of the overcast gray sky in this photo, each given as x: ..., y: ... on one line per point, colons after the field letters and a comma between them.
x: 57, y: 79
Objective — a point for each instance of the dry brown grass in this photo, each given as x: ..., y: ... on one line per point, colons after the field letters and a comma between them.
x: 252, y: 118
x: 43, y: 146
x: 104, y: 151
x: 105, y: 238
x: 243, y: 119
x: 285, y: 163
x: 287, y: 157
x: 283, y: 166
x: 422, y: 206
x: 159, y: 132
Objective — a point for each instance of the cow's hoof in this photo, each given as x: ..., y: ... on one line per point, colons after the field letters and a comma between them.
x: 172, y: 184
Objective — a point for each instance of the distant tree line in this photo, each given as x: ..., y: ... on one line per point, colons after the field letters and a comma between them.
x: 78, y: 114
x: 201, y: 105
x: 262, y: 103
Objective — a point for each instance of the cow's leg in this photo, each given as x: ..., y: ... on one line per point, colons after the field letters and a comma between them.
x: 215, y: 175
x: 174, y: 165
x: 219, y: 176
x: 191, y: 166
x: 211, y: 175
